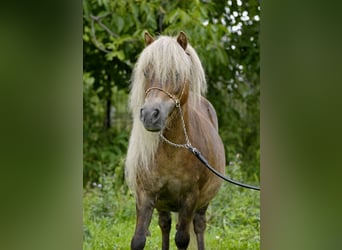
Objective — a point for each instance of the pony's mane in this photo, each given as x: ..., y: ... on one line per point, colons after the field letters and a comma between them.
x: 167, y: 61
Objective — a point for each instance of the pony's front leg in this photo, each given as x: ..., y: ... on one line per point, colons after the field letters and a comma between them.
x: 144, y: 210
x: 185, y: 218
x: 165, y: 226
x: 199, y: 226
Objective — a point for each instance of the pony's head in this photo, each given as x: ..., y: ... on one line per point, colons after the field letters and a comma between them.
x: 167, y: 69
x: 158, y: 106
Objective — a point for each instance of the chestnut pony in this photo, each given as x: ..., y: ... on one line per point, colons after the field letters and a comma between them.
x: 169, y: 110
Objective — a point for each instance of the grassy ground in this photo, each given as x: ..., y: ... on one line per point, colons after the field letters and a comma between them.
x: 109, y: 219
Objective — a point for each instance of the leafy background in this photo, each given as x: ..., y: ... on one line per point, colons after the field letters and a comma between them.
x: 225, y: 35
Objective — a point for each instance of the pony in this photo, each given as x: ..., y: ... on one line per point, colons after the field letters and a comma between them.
x: 169, y: 112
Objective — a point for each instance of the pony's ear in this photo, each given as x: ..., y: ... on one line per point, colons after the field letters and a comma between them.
x: 182, y: 40
x: 148, y: 38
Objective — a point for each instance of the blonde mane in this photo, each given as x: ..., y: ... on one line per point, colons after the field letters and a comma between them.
x: 170, y: 64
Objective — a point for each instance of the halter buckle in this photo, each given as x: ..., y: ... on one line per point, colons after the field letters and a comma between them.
x: 177, y: 103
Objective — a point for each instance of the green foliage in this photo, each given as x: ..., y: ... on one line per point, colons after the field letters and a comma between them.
x: 104, y: 149
x: 107, y: 212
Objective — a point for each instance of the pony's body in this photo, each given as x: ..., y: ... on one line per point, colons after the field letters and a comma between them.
x: 164, y: 176
x: 178, y: 173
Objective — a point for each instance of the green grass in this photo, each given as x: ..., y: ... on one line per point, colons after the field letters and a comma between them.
x: 109, y: 218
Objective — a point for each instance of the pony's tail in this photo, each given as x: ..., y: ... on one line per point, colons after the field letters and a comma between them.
x: 193, y: 241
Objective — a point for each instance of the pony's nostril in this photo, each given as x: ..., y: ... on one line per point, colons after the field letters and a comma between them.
x: 142, y: 114
x: 155, y: 114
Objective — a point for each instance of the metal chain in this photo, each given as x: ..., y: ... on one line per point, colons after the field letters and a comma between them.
x: 177, y: 145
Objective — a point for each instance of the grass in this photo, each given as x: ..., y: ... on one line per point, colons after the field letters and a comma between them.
x: 109, y: 218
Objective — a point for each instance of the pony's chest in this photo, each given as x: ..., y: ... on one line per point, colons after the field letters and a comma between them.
x: 174, y: 183
x: 171, y: 192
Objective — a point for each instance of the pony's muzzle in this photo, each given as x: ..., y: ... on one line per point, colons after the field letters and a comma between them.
x: 151, y: 117
x: 154, y: 114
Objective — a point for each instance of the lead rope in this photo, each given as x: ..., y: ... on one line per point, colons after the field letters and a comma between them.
x: 198, y: 154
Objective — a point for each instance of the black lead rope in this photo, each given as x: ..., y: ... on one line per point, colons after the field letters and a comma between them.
x: 205, y: 162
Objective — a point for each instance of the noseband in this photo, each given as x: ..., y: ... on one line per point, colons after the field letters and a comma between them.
x: 173, y: 97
